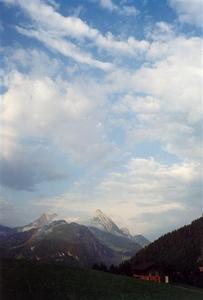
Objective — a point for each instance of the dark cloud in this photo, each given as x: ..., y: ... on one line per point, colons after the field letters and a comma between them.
x: 25, y: 170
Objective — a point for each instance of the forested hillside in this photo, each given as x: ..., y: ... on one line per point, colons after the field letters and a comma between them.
x: 176, y: 253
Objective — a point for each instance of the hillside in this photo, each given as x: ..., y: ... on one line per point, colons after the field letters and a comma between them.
x: 23, y: 281
x: 176, y: 253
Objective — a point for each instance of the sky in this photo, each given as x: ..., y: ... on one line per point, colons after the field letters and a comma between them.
x: 101, y: 107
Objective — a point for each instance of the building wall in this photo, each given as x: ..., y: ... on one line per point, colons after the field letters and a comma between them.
x: 155, y: 278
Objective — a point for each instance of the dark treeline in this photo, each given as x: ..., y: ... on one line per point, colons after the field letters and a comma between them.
x: 176, y: 254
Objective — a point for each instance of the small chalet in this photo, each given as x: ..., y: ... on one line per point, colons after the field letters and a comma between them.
x: 149, y: 271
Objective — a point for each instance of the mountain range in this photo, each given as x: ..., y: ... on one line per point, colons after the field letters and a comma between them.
x: 50, y: 240
x: 104, y: 223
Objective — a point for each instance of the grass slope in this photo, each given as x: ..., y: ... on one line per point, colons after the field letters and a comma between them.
x: 23, y: 281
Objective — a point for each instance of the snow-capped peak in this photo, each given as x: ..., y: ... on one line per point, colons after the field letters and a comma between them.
x: 103, y: 222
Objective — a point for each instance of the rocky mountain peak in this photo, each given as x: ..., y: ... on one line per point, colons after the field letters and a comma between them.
x: 42, y: 221
x: 103, y: 222
x: 98, y: 212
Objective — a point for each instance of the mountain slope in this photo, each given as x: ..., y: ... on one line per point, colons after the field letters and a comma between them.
x: 101, y: 221
x: 6, y: 231
x: 71, y: 244
x: 59, y: 242
x: 141, y: 240
x: 123, y: 246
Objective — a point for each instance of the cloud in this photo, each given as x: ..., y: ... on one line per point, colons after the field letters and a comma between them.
x: 188, y: 11
x: 176, y: 84
x: 28, y: 167
x: 138, y: 105
x: 177, y: 77
x: 129, y: 10
x: 8, y: 213
x: 66, y: 48
x: 149, y: 179
x: 170, y: 88
x: 53, y: 29
x: 169, y: 83
x: 37, y: 99
x: 147, y: 196
x: 61, y: 117
x: 17, y: 214
x: 131, y: 46
x: 32, y: 61
x: 162, y: 31
x: 43, y: 115
x: 147, y: 186
x: 125, y: 10
x: 108, y: 4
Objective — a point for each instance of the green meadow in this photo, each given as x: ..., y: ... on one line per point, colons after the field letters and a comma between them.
x: 26, y: 281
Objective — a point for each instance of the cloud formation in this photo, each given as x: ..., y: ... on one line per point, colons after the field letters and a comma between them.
x: 149, y: 187
x: 122, y: 9
x: 188, y: 11
x: 56, y: 31
x: 116, y: 118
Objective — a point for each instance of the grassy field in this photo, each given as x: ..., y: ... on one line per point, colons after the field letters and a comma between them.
x: 24, y: 281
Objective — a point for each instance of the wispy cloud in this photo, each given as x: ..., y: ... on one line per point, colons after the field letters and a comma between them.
x: 122, y: 9
x: 66, y: 48
x: 52, y: 29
